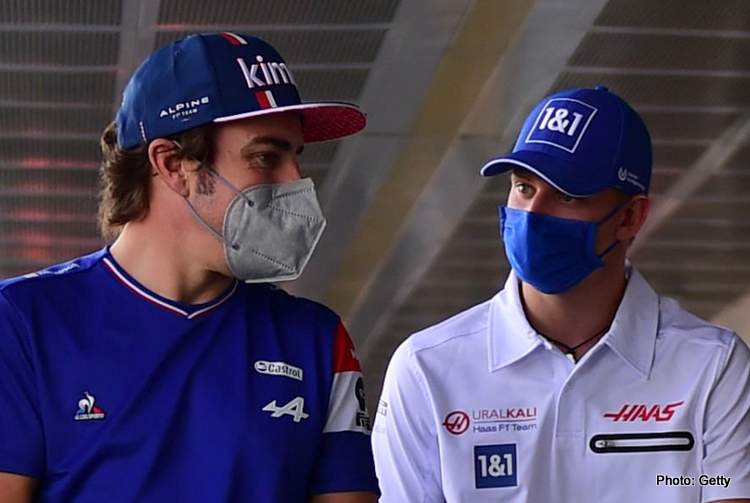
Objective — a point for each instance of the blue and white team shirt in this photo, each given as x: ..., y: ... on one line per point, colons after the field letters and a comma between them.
x: 481, y: 408
x: 109, y: 392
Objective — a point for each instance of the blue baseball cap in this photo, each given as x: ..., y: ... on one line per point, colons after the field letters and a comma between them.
x: 220, y: 77
x: 582, y: 141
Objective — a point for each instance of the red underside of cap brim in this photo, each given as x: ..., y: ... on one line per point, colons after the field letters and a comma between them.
x: 331, y: 122
x: 320, y: 121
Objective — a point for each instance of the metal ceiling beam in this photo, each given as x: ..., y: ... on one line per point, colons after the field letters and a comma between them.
x: 82, y: 218
x: 486, y: 32
x: 680, y: 142
x: 659, y: 72
x: 412, y: 50
x: 539, y: 49
x: 44, y: 105
x: 52, y: 27
x: 671, y: 32
x: 690, y: 109
x: 708, y: 164
x: 252, y: 28
x: 37, y: 67
x: 49, y: 135
x: 137, y: 38
x: 6, y: 219
x: 331, y: 66
x: 55, y: 193
x: 51, y: 164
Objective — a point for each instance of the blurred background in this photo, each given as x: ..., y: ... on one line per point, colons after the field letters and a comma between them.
x: 412, y: 235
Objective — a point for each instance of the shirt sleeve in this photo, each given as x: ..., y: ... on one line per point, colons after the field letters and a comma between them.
x: 345, y: 458
x: 21, y: 435
x: 404, y: 440
x: 726, y: 435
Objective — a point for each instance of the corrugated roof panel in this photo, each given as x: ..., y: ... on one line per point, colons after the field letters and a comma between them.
x: 666, y: 90
x: 101, y: 12
x: 59, y: 48
x: 232, y: 12
x: 691, y: 125
x: 677, y: 155
x: 320, y: 46
x: 50, y: 179
x: 54, y: 120
x: 620, y: 50
x: 57, y: 230
x: 39, y: 153
x: 724, y: 15
x: 55, y: 87
x: 740, y: 161
x: 51, y: 207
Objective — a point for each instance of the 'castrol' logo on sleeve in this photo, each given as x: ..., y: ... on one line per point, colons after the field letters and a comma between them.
x: 278, y: 369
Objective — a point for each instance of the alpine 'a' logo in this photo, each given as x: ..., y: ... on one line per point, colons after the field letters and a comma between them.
x: 295, y: 408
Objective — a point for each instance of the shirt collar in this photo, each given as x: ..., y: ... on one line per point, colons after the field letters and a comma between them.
x: 632, y: 335
x: 510, y: 336
x: 189, y: 311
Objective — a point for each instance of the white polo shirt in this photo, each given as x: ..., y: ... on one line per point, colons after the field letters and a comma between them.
x: 481, y: 408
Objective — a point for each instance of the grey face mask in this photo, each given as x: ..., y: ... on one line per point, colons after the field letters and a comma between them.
x: 270, y: 231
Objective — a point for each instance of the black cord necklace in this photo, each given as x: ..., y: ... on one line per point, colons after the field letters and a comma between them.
x: 570, y: 350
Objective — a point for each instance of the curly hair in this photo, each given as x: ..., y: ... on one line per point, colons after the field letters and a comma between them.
x: 125, y: 176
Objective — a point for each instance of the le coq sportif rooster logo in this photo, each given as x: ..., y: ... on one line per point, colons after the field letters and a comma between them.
x: 88, y: 409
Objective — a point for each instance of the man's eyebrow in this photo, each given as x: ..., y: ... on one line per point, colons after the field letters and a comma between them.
x: 273, y: 141
x: 519, y: 173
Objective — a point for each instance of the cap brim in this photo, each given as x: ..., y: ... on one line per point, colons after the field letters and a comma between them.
x: 568, y: 178
x: 320, y: 121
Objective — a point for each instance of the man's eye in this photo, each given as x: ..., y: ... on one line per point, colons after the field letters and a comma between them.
x: 523, y: 188
x: 264, y: 159
x: 566, y: 198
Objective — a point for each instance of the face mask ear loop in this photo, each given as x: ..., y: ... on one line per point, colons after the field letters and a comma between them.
x: 610, y: 215
x: 225, y: 182
x: 609, y: 249
x: 203, y: 222
x: 192, y: 208
x: 231, y: 187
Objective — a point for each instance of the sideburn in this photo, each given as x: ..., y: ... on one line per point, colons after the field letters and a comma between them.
x: 206, y: 182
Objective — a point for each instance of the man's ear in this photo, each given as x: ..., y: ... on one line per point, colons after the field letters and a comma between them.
x: 168, y: 163
x: 634, y: 217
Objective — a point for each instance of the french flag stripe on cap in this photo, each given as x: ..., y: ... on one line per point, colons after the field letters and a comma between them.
x: 265, y: 99
x: 233, y: 38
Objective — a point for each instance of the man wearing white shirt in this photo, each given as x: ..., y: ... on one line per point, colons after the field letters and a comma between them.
x: 576, y: 382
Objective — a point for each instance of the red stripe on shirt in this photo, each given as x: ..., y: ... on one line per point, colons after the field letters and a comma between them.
x: 344, y: 358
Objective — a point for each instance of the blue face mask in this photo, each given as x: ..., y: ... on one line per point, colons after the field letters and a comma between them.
x: 551, y: 254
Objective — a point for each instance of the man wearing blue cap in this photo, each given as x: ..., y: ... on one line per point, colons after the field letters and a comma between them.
x: 576, y: 382
x: 166, y: 367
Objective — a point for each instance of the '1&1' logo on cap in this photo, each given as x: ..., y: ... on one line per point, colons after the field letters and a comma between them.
x: 562, y: 123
